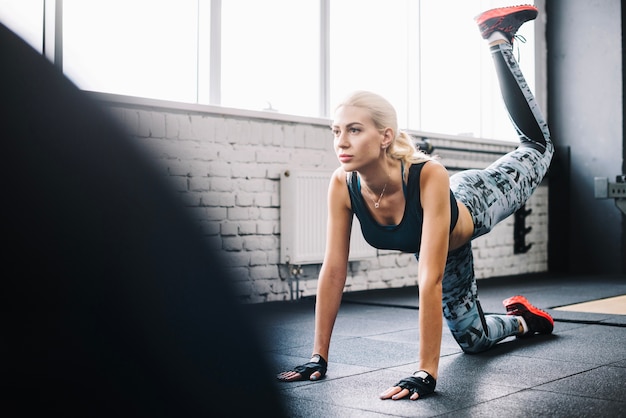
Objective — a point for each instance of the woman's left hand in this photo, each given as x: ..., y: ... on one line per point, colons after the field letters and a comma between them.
x: 396, y: 392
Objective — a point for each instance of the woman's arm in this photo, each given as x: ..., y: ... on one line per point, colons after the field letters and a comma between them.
x: 332, y: 276
x: 435, y: 198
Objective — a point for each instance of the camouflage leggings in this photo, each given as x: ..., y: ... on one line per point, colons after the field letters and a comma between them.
x: 492, y: 195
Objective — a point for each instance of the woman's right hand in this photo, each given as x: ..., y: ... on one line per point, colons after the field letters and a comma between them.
x: 314, y: 370
x: 291, y: 376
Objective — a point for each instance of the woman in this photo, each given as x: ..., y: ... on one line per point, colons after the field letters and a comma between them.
x: 406, y: 201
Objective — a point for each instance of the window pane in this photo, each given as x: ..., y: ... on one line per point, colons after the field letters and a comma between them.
x: 429, y: 62
x: 450, y: 68
x: 25, y: 18
x: 369, y: 42
x: 460, y: 94
x: 137, y: 48
x: 270, y: 55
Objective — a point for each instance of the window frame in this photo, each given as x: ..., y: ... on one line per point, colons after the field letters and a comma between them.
x: 53, y: 50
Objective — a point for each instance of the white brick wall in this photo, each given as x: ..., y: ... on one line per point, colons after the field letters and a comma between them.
x: 227, y: 169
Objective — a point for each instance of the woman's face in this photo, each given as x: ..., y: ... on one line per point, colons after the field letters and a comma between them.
x: 357, y: 140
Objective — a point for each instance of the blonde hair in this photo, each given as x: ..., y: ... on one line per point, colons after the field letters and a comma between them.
x: 384, y: 116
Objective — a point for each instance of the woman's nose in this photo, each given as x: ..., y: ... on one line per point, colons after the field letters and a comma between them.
x: 342, y: 140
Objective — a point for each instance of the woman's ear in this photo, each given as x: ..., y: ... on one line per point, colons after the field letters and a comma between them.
x: 388, y: 136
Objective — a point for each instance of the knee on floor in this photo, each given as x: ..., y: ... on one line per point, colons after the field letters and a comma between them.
x: 474, y: 349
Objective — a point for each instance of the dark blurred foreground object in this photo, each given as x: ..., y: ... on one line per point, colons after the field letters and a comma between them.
x: 113, y: 305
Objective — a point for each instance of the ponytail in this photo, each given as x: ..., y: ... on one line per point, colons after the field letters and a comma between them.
x: 403, y: 148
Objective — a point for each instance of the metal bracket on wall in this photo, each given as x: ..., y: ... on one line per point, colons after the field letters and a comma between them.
x: 423, y: 144
x: 520, y: 231
x: 607, y: 190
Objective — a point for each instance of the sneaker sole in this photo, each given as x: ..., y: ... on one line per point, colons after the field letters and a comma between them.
x: 521, y: 300
x: 504, y: 11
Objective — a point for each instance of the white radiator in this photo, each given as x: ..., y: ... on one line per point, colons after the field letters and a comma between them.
x: 303, y: 214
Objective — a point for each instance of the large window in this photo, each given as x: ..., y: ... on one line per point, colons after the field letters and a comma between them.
x: 132, y: 47
x: 293, y: 57
x: 372, y: 43
x: 25, y: 18
x: 270, y: 55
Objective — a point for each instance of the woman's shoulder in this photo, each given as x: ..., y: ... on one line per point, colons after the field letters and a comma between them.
x: 341, y: 179
x: 338, y: 188
x: 425, y: 171
x: 428, y: 166
x: 340, y: 176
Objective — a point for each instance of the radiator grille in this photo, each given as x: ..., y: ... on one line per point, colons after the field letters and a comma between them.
x: 303, y: 215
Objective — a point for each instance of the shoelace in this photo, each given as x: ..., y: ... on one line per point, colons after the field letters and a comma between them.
x: 521, y: 39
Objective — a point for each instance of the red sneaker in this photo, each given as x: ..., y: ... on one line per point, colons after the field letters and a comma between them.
x: 537, y: 320
x: 506, y: 20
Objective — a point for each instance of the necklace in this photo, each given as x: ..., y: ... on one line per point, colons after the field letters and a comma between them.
x: 377, y: 204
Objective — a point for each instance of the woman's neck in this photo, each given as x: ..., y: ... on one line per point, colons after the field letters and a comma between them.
x: 382, y: 176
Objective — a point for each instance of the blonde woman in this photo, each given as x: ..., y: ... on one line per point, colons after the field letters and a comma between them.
x: 406, y: 201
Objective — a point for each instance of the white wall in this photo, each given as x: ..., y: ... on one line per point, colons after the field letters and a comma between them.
x: 226, y: 164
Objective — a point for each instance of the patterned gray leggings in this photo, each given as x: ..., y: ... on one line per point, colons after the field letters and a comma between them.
x: 492, y: 195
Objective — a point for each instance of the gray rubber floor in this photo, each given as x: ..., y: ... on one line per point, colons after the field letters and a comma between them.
x: 578, y: 371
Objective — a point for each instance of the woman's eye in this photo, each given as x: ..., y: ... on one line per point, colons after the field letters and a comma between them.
x: 354, y: 130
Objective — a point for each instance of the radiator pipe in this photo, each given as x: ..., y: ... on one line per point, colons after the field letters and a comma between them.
x: 294, y: 271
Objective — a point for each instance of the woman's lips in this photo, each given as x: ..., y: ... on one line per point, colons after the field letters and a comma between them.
x: 344, y: 158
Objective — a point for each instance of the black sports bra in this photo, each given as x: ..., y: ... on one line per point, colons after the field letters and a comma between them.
x: 407, y: 235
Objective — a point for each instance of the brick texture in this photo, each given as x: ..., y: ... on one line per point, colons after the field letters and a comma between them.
x: 227, y: 170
